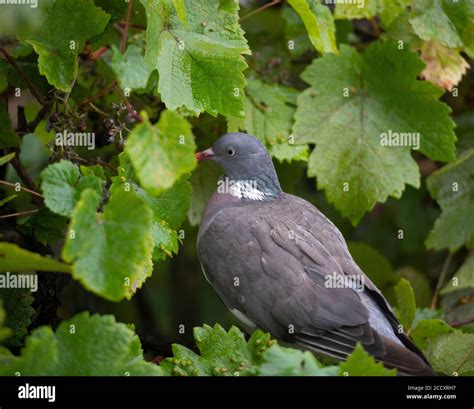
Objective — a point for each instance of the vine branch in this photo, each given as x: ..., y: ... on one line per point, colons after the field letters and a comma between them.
x: 123, y: 46
x: 441, y: 279
x: 24, y: 77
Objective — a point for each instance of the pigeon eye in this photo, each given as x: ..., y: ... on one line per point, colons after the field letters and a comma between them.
x: 230, y: 151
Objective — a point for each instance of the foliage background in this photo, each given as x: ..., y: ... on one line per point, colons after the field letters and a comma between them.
x: 197, y: 71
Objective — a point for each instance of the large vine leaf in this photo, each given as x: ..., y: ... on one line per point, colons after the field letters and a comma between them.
x: 451, y: 353
x: 426, y: 329
x: 280, y: 361
x: 453, y: 188
x: 356, y: 99
x: 82, y: 346
x: 451, y: 23
x: 169, y: 208
x: 62, y: 35
x: 221, y: 353
x: 14, y: 258
x: 62, y: 185
x: 200, y: 64
x: 269, y: 111
x: 110, y: 251
x: 130, y: 68
x: 319, y: 24
x: 162, y: 153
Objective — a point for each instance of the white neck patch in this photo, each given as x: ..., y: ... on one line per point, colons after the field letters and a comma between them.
x: 246, y: 189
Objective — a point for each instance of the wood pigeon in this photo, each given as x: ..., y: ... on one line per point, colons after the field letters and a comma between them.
x: 280, y: 265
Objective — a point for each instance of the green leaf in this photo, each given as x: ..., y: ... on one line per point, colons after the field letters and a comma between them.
x: 14, y: 258
x: 388, y: 10
x: 180, y: 11
x: 258, y: 343
x: 7, y: 158
x: 453, y: 188
x: 360, y: 363
x: 46, y: 226
x: 200, y: 64
x: 269, y: 111
x: 8, y: 137
x: 444, y: 66
x: 406, y: 303
x: 427, y: 329
x: 451, y: 354
x: 62, y: 186
x: 374, y: 264
x: 295, y: 33
x: 3, y: 202
x: 420, y: 284
x: 354, y: 103
x: 279, y: 361
x: 463, y: 278
x: 465, y: 131
x: 319, y: 23
x: 17, y: 303
x: 130, y: 68
x: 162, y: 153
x: 4, y: 331
x: 62, y: 35
x: 111, y: 251
x: 451, y: 23
x: 204, y: 183
x: 221, y: 353
x: 169, y: 208
x: 82, y: 346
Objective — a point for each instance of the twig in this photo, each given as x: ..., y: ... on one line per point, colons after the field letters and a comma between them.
x: 19, y: 213
x: 123, y: 46
x: 41, y: 115
x: 265, y: 6
x: 461, y: 323
x: 98, y: 110
x: 23, y: 174
x: 20, y: 72
x: 135, y: 26
x: 94, y: 161
x: 442, y: 277
x: 101, y: 93
x: 4, y: 182
x: 122, y: 95
x: 99, y: 52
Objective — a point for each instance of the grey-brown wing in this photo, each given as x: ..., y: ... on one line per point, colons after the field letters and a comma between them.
x: 273, y: 270
x: 270, y: 263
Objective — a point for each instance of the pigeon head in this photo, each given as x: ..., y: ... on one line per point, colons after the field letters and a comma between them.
x: 247, y: 165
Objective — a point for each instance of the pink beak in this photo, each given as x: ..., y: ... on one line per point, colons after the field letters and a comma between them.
x: 205, y: 155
